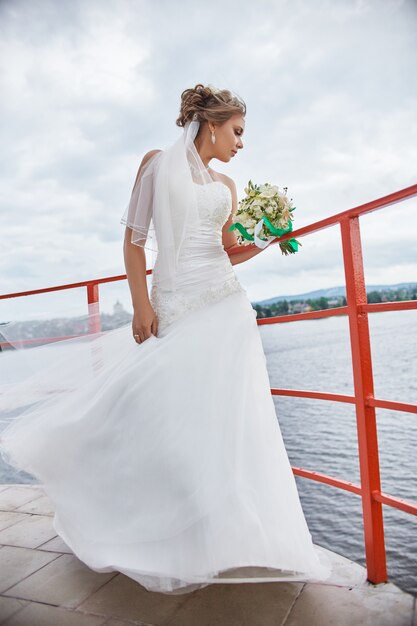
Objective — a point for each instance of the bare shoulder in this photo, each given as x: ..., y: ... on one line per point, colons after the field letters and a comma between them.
x: 144, y: 161
x: 149, y: 155
x: 226, y: 180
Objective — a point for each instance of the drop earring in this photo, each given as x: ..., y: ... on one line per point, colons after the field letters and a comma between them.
x: 213, y: 138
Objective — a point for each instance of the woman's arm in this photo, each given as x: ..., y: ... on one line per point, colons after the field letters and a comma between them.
x: 144, y: 321
x: 135, y: 264
x: 229, y: 239
x: 247, y: 253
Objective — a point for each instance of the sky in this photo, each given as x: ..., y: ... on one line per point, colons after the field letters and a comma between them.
x: 88, y: 87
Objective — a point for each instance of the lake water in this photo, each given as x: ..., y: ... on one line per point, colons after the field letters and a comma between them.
x: 320, y: 435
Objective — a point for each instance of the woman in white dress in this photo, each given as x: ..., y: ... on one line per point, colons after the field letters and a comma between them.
x: 158, y: 442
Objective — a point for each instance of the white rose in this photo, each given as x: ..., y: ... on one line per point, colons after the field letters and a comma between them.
x: 268, y: 193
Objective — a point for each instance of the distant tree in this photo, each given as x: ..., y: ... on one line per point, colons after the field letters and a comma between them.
x: 317, y: 304
x: 281, y: 308
x: 374, y: 296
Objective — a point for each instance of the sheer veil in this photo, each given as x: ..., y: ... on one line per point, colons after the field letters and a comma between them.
x: 162, y: 208
x: 165, y: 196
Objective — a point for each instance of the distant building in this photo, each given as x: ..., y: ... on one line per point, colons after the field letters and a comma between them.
x: 299, y: 307
x: 118, y: 308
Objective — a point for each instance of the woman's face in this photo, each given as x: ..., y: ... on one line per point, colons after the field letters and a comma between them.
x: 228, y: 137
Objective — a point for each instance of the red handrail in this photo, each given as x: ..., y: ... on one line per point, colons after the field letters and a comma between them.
x: 364, y: 400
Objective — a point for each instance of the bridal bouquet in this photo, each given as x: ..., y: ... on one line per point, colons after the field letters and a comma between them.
x: 263, y: 215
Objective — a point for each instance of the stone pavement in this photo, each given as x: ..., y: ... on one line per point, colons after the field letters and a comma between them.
x: 42, y: 583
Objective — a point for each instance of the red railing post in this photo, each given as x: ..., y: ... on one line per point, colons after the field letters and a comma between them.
x: 364, y: 399
x: 93, y: 299
x: 364, y: 389
x: 94, y: 324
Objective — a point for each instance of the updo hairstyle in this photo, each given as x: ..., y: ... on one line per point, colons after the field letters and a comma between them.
x: 206, y: 103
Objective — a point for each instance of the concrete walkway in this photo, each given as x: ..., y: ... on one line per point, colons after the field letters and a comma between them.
x: 42, y: 583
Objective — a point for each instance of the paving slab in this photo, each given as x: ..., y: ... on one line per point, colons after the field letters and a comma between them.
x: 243, y: 604
x: 43, y: 582
x: 118, y: 622
x: 18, y: 563
x: 29, y: 532
x: 8, y: 518
x: 57, y: 544
x: 41, y: 506
x: 14, y: 496
x: 126, y: 599
x: 10, y: 606
x: 36, y: 614
x: 65, y: 581
x: 369, y: 605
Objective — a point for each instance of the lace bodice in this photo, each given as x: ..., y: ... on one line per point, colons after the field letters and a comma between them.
x: 205, y: 273
x: 215, y: 202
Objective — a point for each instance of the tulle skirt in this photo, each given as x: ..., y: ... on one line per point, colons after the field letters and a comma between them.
x: 163, y: 460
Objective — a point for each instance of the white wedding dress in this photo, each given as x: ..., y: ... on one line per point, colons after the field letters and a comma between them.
x: 164, y: 460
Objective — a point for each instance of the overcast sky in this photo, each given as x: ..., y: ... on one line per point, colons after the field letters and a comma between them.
x: 89, y: 86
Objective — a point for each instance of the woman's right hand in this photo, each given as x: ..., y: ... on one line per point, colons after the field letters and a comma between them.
x: 144, y: 323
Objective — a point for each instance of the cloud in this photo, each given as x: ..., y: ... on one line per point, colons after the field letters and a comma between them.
x: 90, y: 87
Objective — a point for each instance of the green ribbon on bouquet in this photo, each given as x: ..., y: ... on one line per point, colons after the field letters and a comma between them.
x: 277, y: 232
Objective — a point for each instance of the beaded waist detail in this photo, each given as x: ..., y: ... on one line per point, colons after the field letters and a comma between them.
x: 205, y: 273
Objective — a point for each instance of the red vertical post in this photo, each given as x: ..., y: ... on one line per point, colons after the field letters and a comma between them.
x: 93, y: 298
x: 364, y: 388
x: 94, y: 325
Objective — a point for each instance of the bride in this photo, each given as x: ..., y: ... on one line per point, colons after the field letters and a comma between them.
x: 158, y: 442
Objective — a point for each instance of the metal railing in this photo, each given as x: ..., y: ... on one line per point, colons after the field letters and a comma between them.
x: 357, y: 310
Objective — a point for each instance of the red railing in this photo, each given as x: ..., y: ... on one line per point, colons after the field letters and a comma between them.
x: 364, y: 400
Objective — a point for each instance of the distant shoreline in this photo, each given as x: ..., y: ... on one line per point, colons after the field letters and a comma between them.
x: 319, y: 301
